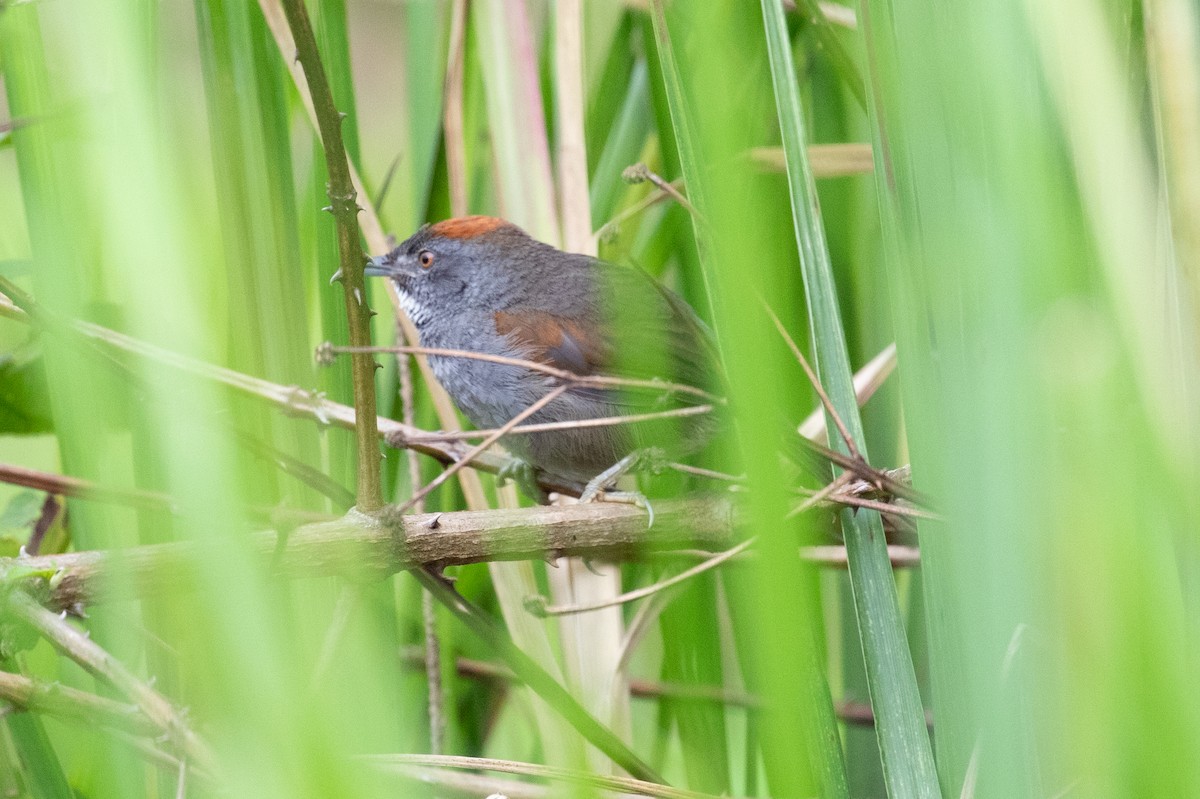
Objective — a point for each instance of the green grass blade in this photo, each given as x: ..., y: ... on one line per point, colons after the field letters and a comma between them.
x: 899, y: 716
x: 743, y: 258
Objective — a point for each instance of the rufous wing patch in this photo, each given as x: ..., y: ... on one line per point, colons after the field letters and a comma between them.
x: 467, y: 227
x: 555, y: 341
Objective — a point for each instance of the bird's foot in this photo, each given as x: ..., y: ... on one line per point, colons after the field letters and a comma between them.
x: 598, y: 488
x: 524, y: 474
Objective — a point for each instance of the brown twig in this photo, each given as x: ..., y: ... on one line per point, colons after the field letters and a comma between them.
x: 867, y: 380
x: 880, y: 478
x: 711, y: 474
x: 834, y: 416
x: 847, y: 498
x: 574, y: 424
x: 84, y: 489
x: 562, y: 374
x: 66, y: 486
x: 538, y: 606
x: 650, y: 200
x: 344, y: 206
x: 639, y: 173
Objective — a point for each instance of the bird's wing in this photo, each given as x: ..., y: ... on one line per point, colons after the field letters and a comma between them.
x: 555, y: 340
x: 639, y: 330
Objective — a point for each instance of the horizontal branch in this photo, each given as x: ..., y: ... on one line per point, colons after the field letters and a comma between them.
x: 363, y: 547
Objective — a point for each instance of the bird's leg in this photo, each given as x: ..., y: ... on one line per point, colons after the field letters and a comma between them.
x: 524, y: 474
x: 597, y: 488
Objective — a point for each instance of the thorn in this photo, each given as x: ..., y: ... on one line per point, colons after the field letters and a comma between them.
x: 63, y: 615
x: 342, y: 115
x: 337, y: 277
x: 434, y: 523
x: 328, y: 208
x: 22, y: 552
x: 358, y: 295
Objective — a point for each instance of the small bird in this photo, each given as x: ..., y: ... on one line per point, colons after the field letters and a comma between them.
x: 482, y: 284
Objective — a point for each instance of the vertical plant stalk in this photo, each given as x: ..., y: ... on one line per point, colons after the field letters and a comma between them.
x: 819, y: 21
x: 592, y: 645
x: 378, y: 242
x: 453, y: 123
x: 823, y: 763
x: 899, y: 716
x: 344, y: 206
x: 1173, y: 53
x: 574, y: 201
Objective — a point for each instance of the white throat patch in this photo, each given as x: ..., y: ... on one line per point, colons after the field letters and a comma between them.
x: 415, y: 311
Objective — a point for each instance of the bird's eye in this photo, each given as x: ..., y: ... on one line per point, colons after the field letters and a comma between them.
x: 425, y: 259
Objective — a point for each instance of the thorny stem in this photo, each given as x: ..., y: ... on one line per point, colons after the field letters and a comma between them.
x: 345, y: 209
x: 93, y: 658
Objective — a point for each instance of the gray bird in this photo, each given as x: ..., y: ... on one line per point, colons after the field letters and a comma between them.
x: 483, y: 285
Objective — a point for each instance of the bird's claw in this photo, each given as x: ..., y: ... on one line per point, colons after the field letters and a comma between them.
x: 525, y: 476
x: 597, y: 488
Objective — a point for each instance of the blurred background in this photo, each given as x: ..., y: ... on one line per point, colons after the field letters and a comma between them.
x: 1009, y: 193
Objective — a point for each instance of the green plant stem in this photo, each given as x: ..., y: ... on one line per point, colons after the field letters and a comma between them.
x: 344, y: 206
x: 537, y: 678
x: 899, y: 717
x: 815, y: 18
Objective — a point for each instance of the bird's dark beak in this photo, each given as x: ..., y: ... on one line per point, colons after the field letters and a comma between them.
x: 380, y: 266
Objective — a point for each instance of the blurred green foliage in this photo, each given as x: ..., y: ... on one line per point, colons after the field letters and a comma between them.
x: 1027, y: 238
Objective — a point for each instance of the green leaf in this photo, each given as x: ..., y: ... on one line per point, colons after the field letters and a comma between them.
x: 22, y: 510
x: 899, y: 716
x: 24, y: 397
